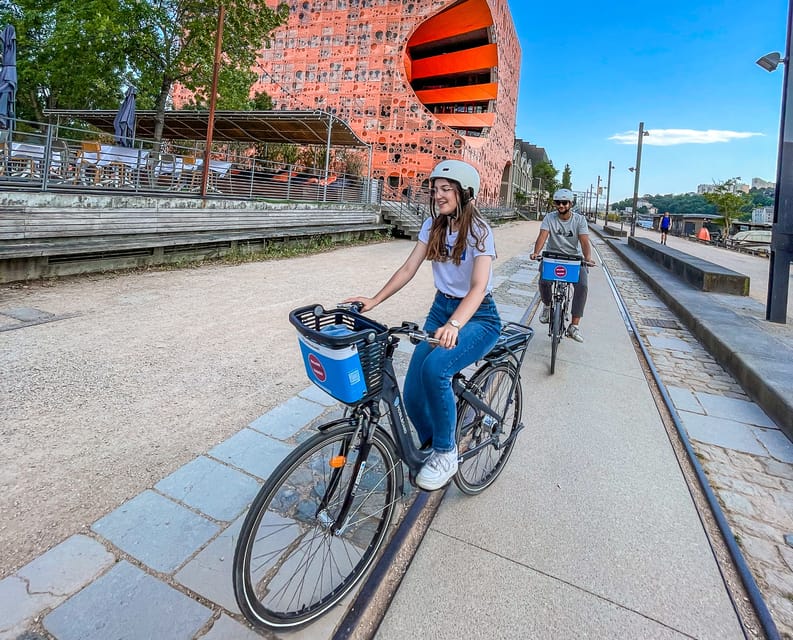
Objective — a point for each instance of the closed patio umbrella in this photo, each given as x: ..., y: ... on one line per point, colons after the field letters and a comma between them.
x: 124, y: 123
x: 8, y: 77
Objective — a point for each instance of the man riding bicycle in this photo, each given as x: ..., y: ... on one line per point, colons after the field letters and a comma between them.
x: 565, y: 231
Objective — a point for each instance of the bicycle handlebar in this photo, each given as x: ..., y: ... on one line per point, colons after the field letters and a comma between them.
x: 538, y: 258
x: 409, y: 329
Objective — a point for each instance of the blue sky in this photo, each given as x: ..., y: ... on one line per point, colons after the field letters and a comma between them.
x: 591, y: 71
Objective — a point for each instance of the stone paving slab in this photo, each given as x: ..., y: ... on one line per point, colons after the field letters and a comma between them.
x: 734, y: 409
x: 209, y: 573
x: 48, y: 580
x: 156, y: 531
x: 287, y: 419
x: 684, y: 400
x: 229, y: 629
x: 210, y: 487
x: 670, y: 344
x: 252, y: 452
x: 778, y: 444
x: 127, y: 603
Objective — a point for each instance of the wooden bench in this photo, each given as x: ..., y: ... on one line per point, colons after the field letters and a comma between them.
x: 700, y: 273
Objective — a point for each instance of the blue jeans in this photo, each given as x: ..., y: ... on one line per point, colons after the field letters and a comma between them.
x: 429, y: 399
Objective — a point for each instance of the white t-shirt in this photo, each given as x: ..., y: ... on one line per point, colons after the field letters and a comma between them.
x: 452, y: 279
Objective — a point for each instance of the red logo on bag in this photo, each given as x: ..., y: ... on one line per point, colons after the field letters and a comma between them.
x: 560, y: 271
x: 316, y: 367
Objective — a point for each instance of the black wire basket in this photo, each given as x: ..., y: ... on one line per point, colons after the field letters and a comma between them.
x: 343, y: 351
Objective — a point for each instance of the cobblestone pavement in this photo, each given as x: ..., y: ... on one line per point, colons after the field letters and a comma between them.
x: 748, y: 462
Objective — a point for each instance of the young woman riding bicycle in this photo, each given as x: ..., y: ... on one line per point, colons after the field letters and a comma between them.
x: 565, y: 231
x: 463, y: 317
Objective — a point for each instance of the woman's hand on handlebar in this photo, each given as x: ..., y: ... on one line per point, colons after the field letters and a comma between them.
x: 367, y: 304
x: 589, y: 263
x: 446, y: 336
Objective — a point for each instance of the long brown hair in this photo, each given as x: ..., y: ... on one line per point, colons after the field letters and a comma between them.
x: 469, y: 222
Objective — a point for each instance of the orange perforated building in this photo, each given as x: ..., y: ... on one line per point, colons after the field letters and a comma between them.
x: 420, y: 81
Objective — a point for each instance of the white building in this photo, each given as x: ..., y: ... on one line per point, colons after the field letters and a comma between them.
x: 763, y: 215
x: 710, y: 188
x: 759, y: 183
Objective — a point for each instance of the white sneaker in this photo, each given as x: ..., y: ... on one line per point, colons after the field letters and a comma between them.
x: 438, y: 470
x: 545, y: 314
x: 575, y: 333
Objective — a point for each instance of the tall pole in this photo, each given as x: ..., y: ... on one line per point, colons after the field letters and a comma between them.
x: 589, y: 202
x: 636, y: 179
x: 212, y: 102
x: 782, y: 229
x: 597, y: 199
x: 608, y: 195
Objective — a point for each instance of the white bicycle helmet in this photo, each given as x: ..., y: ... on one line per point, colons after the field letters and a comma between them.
x: 564, y: 194
x: 459, y: 171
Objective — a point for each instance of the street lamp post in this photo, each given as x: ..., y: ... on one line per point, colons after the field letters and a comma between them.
x: 782, y: 229
x: 588, y: 209
x: 637, y: 170
x: 597, y: 200
x: 212, y: 101
x: 608, y: 195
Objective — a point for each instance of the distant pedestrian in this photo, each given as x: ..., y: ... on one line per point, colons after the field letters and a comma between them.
x: 666, y: 222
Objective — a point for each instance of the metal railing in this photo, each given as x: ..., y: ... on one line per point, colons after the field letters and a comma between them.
x: 55, y: 158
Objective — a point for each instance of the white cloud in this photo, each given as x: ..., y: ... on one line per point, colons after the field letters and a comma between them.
x: 669, y: 137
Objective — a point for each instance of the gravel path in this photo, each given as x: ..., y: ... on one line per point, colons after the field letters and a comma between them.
x: 146, y: 371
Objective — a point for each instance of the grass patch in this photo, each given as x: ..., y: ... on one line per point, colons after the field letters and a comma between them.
x: 273, y: 250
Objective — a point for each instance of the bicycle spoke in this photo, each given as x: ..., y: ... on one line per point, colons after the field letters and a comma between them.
x: 480, y: 433
x: 291, y: 563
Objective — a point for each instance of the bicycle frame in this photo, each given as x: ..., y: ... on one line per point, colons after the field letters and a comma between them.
x: 368, y: 415
x: 560, y: 292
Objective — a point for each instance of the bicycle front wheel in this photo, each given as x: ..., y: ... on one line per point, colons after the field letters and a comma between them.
x: 293, y: 560
x: 484, y: 444
x: 557, y: 319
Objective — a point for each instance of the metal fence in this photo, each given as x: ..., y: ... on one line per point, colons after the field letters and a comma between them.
x: 55, y: 158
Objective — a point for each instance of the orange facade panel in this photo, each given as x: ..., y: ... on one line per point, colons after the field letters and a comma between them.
x: 467, y: 120
x: 476, y: 59
x: 457, y: 95
x: 352, y: 59
x: 462, y: 18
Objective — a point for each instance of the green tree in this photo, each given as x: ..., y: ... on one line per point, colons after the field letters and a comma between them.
x: 173, y: 41
x: 547, y: 172
x: 727, y: 201
x: 70, y: 55
x: 567, y: 177
x: 80, y: 54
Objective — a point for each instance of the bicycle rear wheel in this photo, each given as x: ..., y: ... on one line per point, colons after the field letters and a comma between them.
x: 493, y: 385
x: 556, y: 331
x: 291, y: 563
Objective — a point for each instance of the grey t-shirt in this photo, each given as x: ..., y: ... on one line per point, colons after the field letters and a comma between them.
x: 452, y: 279
x: 563, y: 234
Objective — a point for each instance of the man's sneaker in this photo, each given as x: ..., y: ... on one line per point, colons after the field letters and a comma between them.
x: 545, y: 314
x: 438, y: 470
x: 575, y: 333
